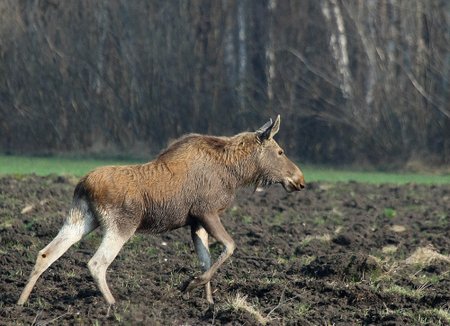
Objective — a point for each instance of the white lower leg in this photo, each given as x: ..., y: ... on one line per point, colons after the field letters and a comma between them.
x: 67, y: 236
x: 48, y: 256
x: 108, y: 250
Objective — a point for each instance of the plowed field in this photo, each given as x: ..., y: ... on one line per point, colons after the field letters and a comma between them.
x: 338, y: 253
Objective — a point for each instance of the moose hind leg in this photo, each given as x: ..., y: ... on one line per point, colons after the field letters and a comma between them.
x: 200, y: 239
x: 72, y: 231
x: 214, y: 227
x: 109, y: 248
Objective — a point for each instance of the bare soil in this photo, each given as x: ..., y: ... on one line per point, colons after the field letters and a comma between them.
x: 341, y: 254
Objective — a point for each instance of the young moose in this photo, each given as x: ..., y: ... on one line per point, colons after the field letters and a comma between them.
x: 189, y: 183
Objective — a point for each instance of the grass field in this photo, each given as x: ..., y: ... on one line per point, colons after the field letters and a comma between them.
x: 53, y: 165
x: 72, y: 166
x: 375, y: 177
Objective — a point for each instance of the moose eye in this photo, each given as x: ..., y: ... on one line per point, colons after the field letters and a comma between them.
x: 280, y: 152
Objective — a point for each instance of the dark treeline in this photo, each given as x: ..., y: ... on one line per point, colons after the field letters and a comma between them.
x: 355, y: 81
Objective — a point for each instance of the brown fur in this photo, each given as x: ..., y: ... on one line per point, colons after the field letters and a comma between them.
x: 189, y: 183
x: 194, y: 174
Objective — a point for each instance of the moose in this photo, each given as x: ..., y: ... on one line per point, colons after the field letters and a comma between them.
x: 189, y: 184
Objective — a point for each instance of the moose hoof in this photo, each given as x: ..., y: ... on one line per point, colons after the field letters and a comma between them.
x: 183, y: 287
x: 186, y: 296
x: 210, y: 303
x: 193, y: 283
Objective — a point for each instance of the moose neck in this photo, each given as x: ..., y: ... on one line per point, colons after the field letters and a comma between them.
x: 244, y: 171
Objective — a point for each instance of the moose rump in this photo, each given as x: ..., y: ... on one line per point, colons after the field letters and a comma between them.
x: 189, y: 183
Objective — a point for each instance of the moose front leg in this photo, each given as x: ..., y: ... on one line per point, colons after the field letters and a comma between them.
x: 212, y: 224
x: 200, y: 239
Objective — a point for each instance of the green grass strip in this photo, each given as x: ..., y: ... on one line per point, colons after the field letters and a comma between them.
x: 19, y: 165
x: 343, y: 175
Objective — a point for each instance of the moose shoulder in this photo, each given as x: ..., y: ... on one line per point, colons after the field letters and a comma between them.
x: 189, y: 183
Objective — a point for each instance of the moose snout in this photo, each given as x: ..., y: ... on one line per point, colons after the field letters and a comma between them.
x: 294, y: 183
x: 300, y: 181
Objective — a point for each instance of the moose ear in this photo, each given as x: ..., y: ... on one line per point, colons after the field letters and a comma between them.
x: 263, y: 133
x: 269, y: 129
x: 275, y: 127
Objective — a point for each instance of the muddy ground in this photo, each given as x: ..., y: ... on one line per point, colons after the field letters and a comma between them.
x: 339, y: 254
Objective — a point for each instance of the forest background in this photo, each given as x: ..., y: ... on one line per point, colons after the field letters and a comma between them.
x: 356, y: 82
